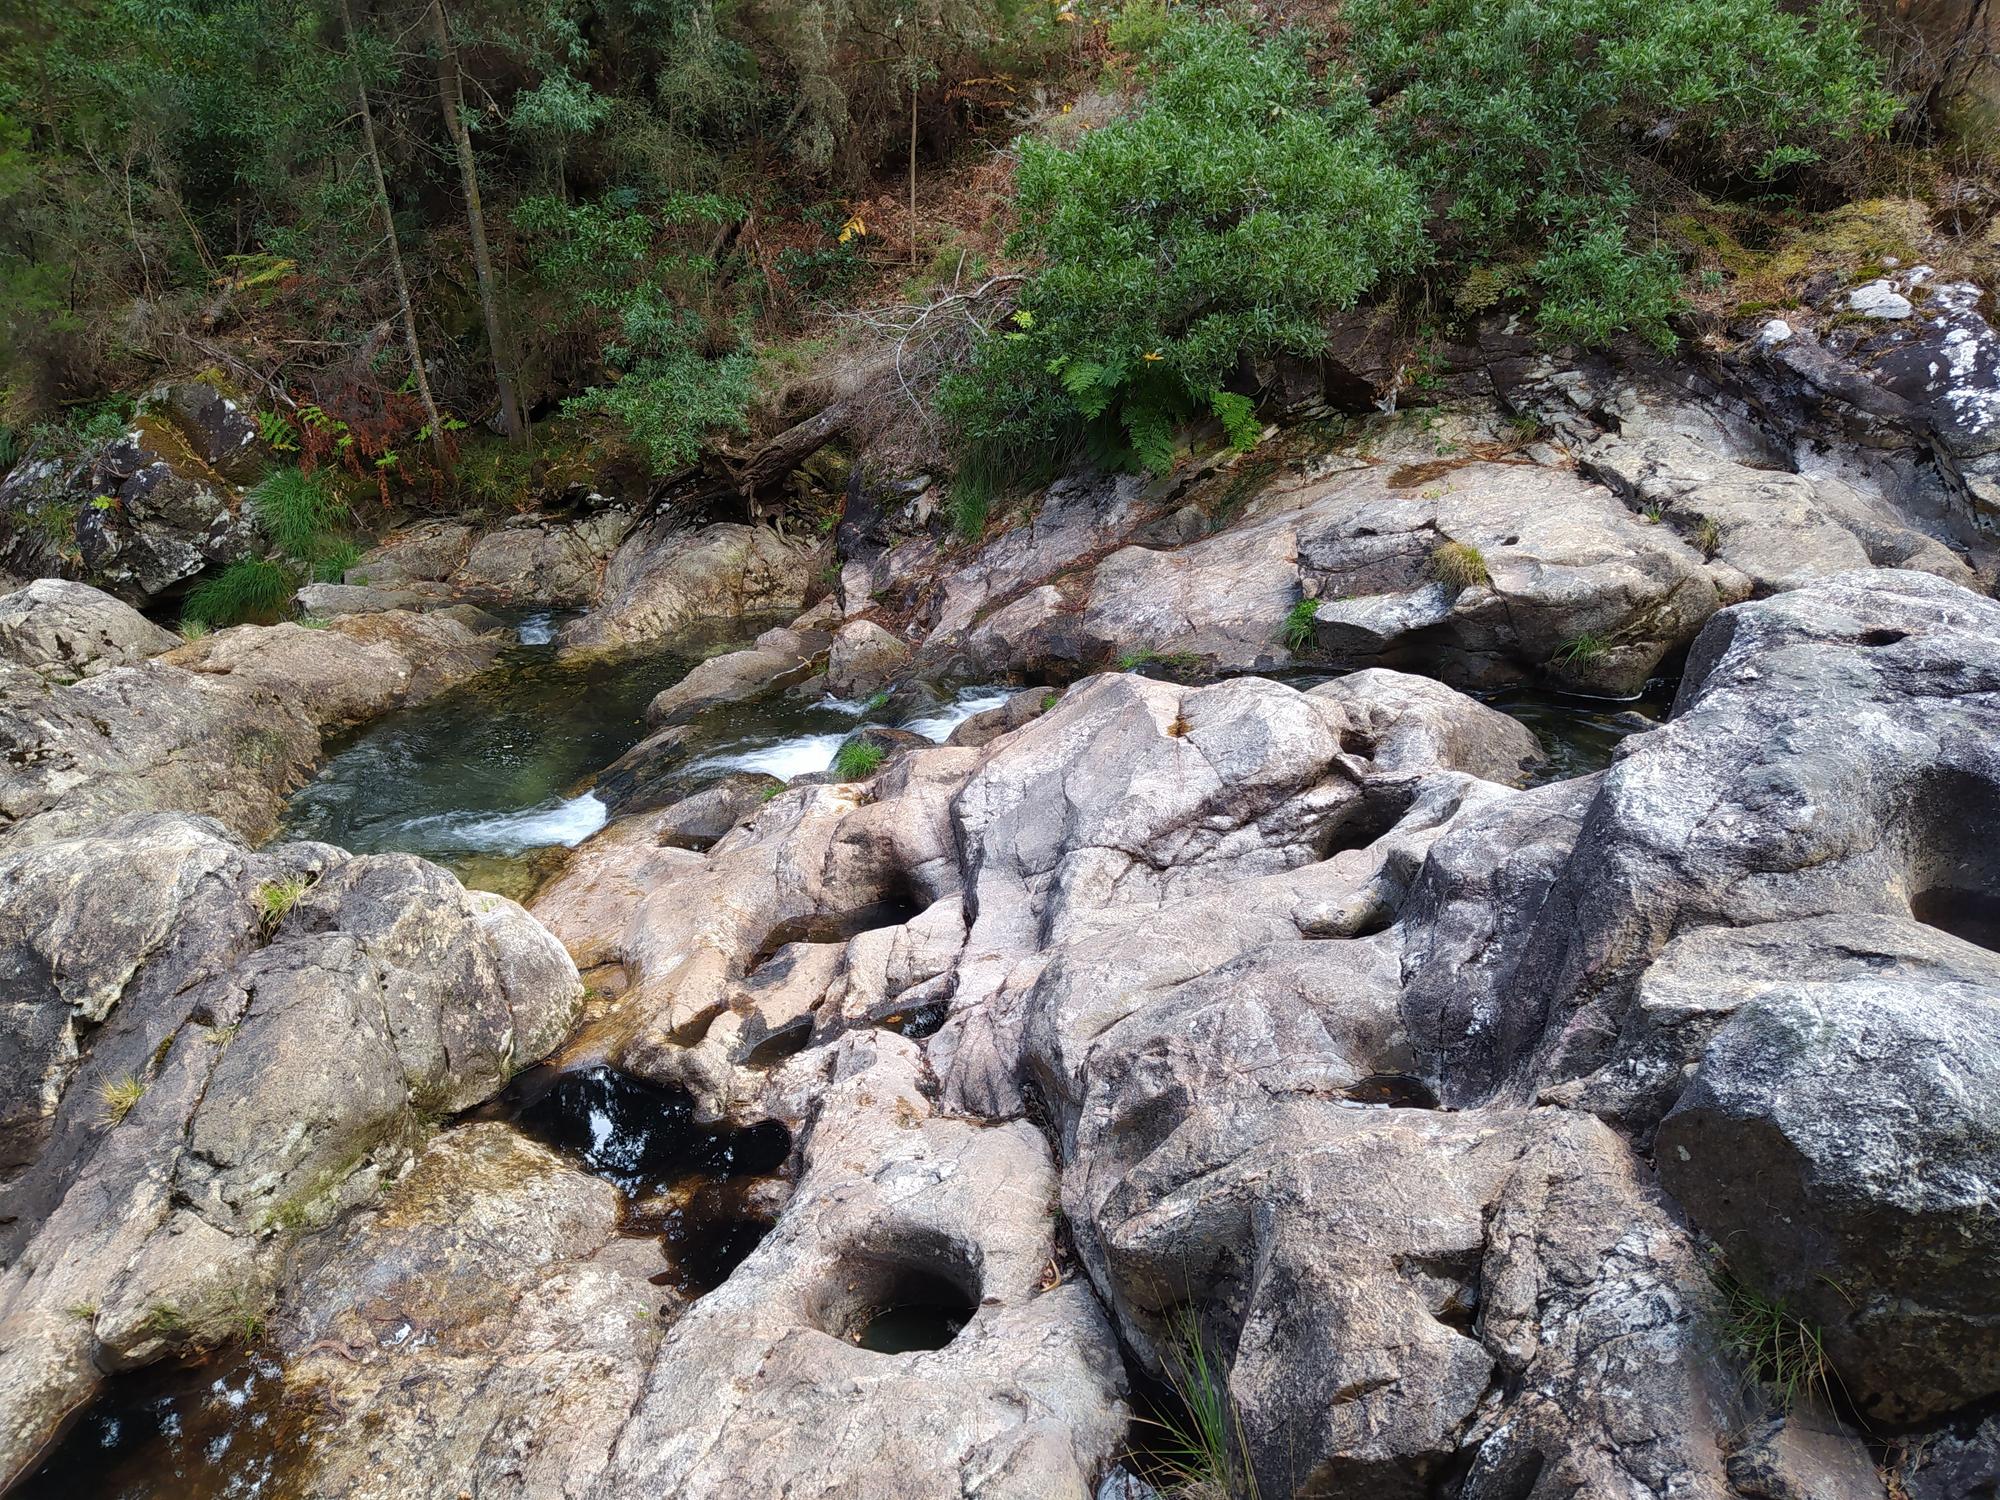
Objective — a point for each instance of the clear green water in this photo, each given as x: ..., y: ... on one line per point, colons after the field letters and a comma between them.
x: 491, y: 770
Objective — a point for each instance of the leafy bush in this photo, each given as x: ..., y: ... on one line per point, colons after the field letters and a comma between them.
x: 1238, y: 208
x: 256, y: 588
x: 671, y: 396
x: 1526, y: 120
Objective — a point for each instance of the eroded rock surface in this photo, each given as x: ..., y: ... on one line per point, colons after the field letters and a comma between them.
x: 212, y: 1052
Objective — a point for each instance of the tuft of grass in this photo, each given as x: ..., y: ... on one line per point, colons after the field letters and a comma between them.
x: 1049, y: 700
x: 119, y: 1095
x: 193, y: 629
x: 314, y: 622
x: 1707, y: 536
x: 334, y: 561
x: 1582, y: 651
x: 1300, y: 625
x: 1202, y: 1446
x: 1459, y: 565
x: 256, y: 588
x: 85, y: 1311
x: 1778, y: 1348
x: 971, y: 504
x: 1653, y: 515
x: 296, y: 511
x: 276, y: 898
x: 857, y: 759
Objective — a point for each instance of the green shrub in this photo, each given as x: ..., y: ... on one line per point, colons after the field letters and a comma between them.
x: 256, y: 588
x: 1242, y: 203
x: 671, y: 396
x: 1527, y: 121
x: 857, y: 759
x: 276, y: 898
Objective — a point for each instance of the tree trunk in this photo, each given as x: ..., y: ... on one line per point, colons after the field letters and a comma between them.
x: 792, y: 447
x: 913, y: 166
x: 498, y: 340
x: 395, y: 248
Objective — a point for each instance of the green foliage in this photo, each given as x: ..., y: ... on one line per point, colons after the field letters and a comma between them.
x: 1139, y: 26
x: 1581, y: 652
x: 296, y: 510
x: 1525, y: 121
x: 832, y: 266
x: 255, y: 588
x: 10, y: 448
x: 1243, y: 203
x: 1201, y: 1443
x: 1777, y: 1347
x: 1459, y: 565
x: 276, y: 898
x: 335, y: 560
x: 1301, y: 624
x: 671, y: 396
x: 858, y: 759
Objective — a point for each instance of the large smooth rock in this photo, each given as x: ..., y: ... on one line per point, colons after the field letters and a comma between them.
x: 667, y: 583
x: 779, y: 659
x: 1777, y: 530
x: 544, y: 562
x: 66, y: 630
x: 537, y: 1326
x: 232, y: 1048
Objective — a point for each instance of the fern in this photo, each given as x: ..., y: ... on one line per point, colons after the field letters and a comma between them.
x: 1238, y: 416
x: 1151, y: 428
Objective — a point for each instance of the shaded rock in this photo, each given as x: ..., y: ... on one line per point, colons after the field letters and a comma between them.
x: 985, y: 727
x: 139, y: 517
x: 666, y: 582
x: 697, y: 822
x: 1841, y: 1142
x: 218, y: 429
x: 66, y: 630
x: 231, y: 1068
x: 1038, y: 634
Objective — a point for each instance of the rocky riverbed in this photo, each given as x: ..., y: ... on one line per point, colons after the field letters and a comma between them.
x: 1523, y: 1031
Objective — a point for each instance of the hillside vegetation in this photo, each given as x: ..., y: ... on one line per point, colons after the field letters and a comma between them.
x: 443, y: 247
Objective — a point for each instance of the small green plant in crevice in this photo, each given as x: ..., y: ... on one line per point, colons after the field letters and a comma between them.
x: 1779, y: 1349
x: 771, y: 793
x: 83, y: 1311
x: 1458, y: 565
x: 193, y: 629
x: 119, y: 1095
x: 1707, y: 536
x: 276, y: 898
x: 971, y: 503
x: 1582, y: 651
x: 1201, y: 1445
x: 1654, y: 515
x: 253, y: 588
x: 858, y: 759
x: 1300, y: 623
x: 1049, y: 700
